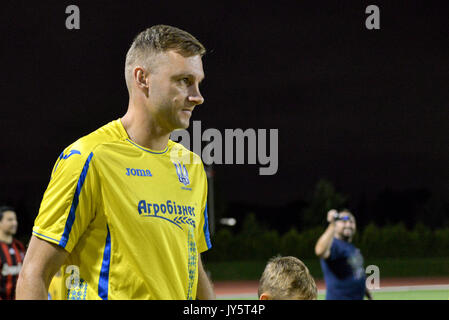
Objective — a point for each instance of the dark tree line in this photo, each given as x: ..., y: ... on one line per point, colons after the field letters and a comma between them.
x: 409, y: 207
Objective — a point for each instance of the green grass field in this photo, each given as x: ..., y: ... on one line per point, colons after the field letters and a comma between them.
x: 407, y: 295
x: 382, y: 295
x: 413, y: 295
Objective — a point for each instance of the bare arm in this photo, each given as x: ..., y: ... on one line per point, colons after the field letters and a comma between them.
x: 324, y: 243
x: 205, y: 290
x: 42, y: 260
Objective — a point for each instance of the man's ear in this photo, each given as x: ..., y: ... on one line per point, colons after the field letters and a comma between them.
x: 140, y: 77
x: 264, y: 296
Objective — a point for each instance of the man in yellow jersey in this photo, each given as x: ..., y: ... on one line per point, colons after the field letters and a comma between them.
x: 124, y: 215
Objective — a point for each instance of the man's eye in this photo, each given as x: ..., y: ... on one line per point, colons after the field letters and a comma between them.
x: 185, y: 80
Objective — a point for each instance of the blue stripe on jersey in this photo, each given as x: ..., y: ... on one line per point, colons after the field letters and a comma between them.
x: 206, y: 229
x: 103, y: 282
x: 41, y: 235
x: 71, y: 217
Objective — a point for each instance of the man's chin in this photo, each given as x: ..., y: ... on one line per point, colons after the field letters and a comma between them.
x: 347, y: 235
x: 183, y: 124
x: 179, y: 125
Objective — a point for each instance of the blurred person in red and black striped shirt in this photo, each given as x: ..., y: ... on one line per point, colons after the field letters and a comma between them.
x: 12, y: 252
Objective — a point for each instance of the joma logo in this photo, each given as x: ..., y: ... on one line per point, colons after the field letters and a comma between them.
x: 138, y: 172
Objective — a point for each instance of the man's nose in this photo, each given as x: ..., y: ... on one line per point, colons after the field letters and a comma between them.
x: 196, y: 97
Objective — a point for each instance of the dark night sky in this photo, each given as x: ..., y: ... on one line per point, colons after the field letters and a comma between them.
x: 365, y: 109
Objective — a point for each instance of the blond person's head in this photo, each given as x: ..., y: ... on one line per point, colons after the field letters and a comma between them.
x: 149, y: 44
x: 286, y: 278
x: 163, y: 73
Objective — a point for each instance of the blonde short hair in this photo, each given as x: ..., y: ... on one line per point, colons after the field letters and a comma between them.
x: 287, y: 278
x: 159, y: 39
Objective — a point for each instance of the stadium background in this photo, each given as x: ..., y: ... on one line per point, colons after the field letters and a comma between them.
x: 362, y: 118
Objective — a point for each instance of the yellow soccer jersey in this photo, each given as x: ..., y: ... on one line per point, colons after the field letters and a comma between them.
x: 133, y: 220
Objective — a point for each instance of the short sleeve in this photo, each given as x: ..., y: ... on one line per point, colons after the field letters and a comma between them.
x: 203, y: 234
x: 68, y: 204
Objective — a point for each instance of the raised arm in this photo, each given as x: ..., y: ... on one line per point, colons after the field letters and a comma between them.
x: 42, y: 260
x: 324, y: 243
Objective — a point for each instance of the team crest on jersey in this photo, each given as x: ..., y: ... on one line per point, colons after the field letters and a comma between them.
x: 181, y: 171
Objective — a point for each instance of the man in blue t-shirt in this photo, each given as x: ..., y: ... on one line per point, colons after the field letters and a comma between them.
x: 341, y: 261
